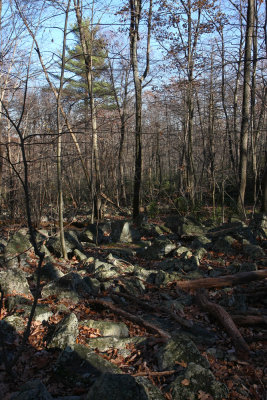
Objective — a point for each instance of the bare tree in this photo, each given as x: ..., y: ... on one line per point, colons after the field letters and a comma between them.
x: 24, y: 180
x: 246, y: 104
x: 59, y: 138
x: 87, y: 47
x: 121, y: 99
x: 136, y: 13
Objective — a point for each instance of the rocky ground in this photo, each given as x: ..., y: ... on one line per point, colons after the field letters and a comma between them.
x: 121, y: 319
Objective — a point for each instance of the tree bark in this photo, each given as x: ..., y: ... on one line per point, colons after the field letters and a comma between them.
x: 249, y: 320
x: 264, y: 188
x: 122, y: 110
x: 59, y: 142
x: 246, y: 105
x: 131, y: 317
x: 135, y: 8
x: 223, y: 281
x: 88, y: 60
x: 226, y: 321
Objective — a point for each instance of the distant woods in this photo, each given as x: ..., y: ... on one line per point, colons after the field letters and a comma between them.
x: 144, y: 104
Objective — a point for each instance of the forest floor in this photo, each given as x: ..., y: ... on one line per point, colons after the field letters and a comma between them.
x: 243, y: 372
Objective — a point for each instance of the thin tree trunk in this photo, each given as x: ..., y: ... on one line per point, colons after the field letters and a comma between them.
x: 253, y: 103
x: 135, y: 8
x: 122, y: 110
x: 88, y: 60
x: 228, y: 131
x: 158, y: 161
x: 226, y: 321
x: 224, y: 281
x: 211, y: 138
x: 190, y: 54
x: 53, y: 89
x: 246, y: 106
x: 59, y: 142
x: 236, y: 103
x: 264, y: 187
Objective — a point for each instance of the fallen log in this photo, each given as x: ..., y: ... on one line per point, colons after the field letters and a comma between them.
x: 131, y: 317
x: 223, y: 281
x: 256, y: 338
x: 155, y: 373
x: 105, y: 197
x: 249, y: 320
x: 182, y: 321
x: 219, y: 313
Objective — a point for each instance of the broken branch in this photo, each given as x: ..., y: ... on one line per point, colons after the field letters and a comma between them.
x: 223, y: 281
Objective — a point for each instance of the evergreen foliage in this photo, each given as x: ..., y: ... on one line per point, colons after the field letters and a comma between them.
x: 75, y: 80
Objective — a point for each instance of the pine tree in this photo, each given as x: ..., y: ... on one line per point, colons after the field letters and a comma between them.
x: 75, y: 81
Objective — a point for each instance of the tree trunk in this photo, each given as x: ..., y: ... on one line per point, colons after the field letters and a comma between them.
x: 88, y: 60
x: 190, y: 110
x: 158, y: 161
x: 223, y: 281
x: 254, y: 132
x: 122, y: 110
x: 138, y: 148
x: 246, y: 106
x: 226, y: 321
x: 59, y: 143
x: 135, y: 7
x: 228, y: 131
x: 121, y: 184
x: 264, y: 188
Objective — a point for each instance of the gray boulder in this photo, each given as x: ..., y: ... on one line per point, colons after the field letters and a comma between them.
x: 80, y: 255
x: 198, y: 380
x: 33, y: 390
x: 159, y: 249
x: 259, y: 225
x: 69, y: 286
x: 181, y: 349
x: 71, y: 242
x: 231, y: 228
x: 134, y: 286
x: 65, y: 333
x: 247, y: 267
x: 49, y: 271
x: 11, y: 324
x: 185, y: 227
x: 3, y: 244
x: 103, y: 344
x: 105, y: 271
x: 92, y: 234
x: 183, y: 264
x: 200, y: 242
x: 93, y: 284
x: 42, y: 312
x: 123, y: 387
x: 224, y: 245
x: 80, y: 364
x: 19, y: 243
x: 163, y: 278
x: 14, y: 280
x: 108, y: 328
x: 124, y: 232
x: 143, y: 273
x: 13, y: 302
x: 253, y: 251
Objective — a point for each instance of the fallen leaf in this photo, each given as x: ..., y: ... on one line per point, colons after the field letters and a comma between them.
x: 185, y: 382
x: 182, y: 363
x: 204, y: 396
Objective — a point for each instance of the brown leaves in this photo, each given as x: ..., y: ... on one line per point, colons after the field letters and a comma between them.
x: 204, y: 396
x: 185, y: 382
x: 85, y: 333
x: 181, y: 363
